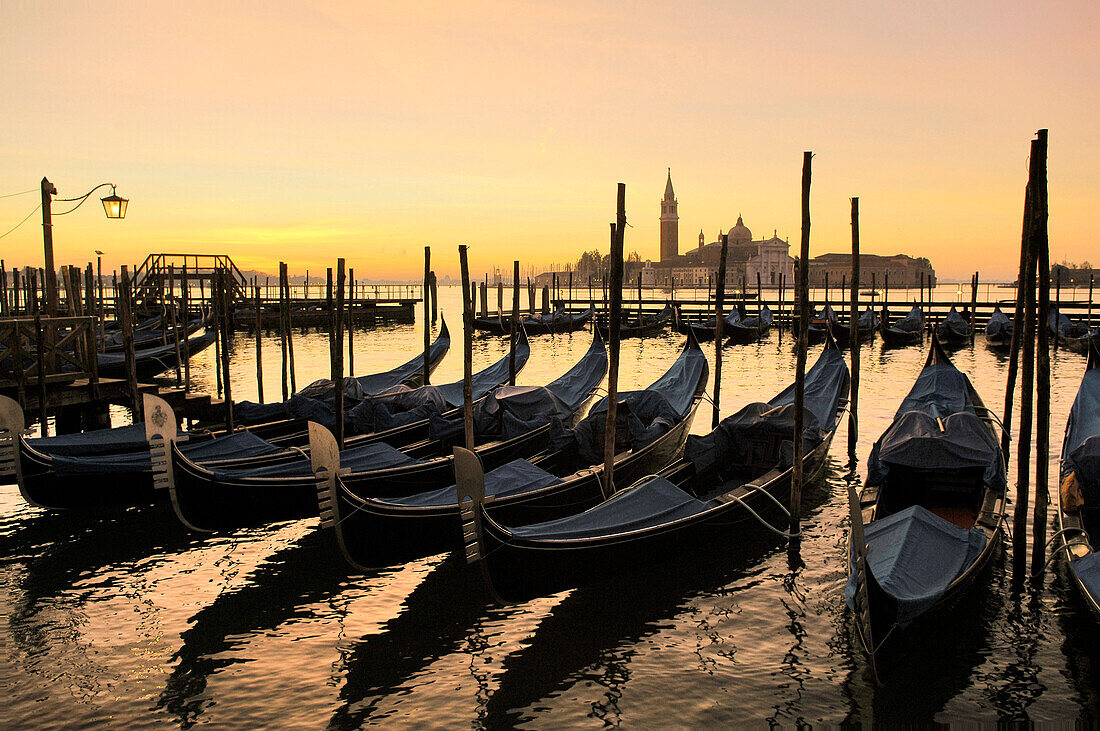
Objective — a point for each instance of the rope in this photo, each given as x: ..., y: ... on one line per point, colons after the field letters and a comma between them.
x: 23, y: 192
x: 781, y: 533
x: 21, y: 222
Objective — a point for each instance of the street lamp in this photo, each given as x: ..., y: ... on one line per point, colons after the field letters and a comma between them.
x: 113, y: 207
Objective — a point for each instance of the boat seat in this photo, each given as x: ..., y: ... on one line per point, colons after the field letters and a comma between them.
x: 957, y: 514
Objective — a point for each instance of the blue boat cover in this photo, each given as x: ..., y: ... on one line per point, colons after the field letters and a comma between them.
x: 356, y: 459
x: 728, y: 444
x: 489, y: 378
x: 868, y: 320
x: 514, y: 478
x: 653, y: 502
x: 1087, y: 569
x: 1081, y: 447
x: 1062, y: 325
x: 914, y: 556
x: 954, y: 322
x: 826, y: 313
x: 509, y: 411
x: 941, y: 394
x: 238, y: 444
x: 100, y: 441
x: 642, y: 415
x: 912, y: 322
x: 763, y: 319
x: 999, y: 324
x: 399, y: 406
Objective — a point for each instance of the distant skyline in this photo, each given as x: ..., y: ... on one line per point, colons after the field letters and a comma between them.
x: 304, y: 132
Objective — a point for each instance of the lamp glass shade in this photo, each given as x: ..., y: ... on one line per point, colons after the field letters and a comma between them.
x: 114, y: 206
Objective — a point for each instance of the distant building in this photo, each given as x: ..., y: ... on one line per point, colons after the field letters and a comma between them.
x: 670, y: 223
x: 903, y: 271
x: 1073, y: 276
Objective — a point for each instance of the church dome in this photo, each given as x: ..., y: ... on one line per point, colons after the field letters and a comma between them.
x: 740, y: 233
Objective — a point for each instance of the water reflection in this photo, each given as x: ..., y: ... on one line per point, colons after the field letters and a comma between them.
x: 435, y: 620
x: 279, y: 589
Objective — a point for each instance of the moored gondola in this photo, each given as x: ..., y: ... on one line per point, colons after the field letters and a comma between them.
x: 513, y: 422
x: 643, y: 326
x: 868, y: 324
x: 112, y: 467
x: 907, y: 331
x: 704, y: 329
x: 742, y: 469
x: 953, y: 329
x: 928, y: 520
x: 750, y: 328
x: 564, y: 478
x: 1072, y: 335
x: 155, y: 359
x: 1079, y: 492
x: 410, y: 374
x: 559, y: 321
x: 102, y: 468
x: 998, y: 331
x: 821, y: 324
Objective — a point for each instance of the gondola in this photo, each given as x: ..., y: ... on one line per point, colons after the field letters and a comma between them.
x: 928, y: 520
x: 823, y: 322
x: 143, y: 338
x: 703, y: 330
x: 110, y: 467
x: 1072, y: 335
x: 953, y: 329
x: 868, y: 324
x: 409, y: 374
x: 741, y: 468
x: 907, y: 331
x: 1079, y: 493
x: 644, y: 326
x: 559, y: 321
x: 98, y: 469
x: 750, y: 329
x: 153, y: 360
x: 998, y: 331
x: 512, y: 422
x: 566, y: 477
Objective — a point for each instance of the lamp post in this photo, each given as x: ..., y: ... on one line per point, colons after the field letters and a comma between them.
x: 113, y: 207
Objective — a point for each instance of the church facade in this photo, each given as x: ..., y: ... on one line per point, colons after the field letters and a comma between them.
x: 745, y: 257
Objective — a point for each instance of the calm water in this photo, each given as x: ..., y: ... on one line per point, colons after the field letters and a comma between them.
x: 125, y: 618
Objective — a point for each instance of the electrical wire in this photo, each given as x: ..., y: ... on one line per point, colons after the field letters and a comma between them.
x: 21, y: 222
x: 23, y: 192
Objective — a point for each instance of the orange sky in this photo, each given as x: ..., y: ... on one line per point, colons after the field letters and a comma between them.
x: 295, y: 131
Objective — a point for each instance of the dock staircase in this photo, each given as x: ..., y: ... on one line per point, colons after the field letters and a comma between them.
x: 152, y: 276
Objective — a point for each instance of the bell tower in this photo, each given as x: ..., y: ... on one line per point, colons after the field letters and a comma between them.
x: 670, y: 223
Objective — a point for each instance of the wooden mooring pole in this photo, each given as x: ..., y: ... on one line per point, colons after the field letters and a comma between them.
x: 427, y: 321
x: 1042, y: 381
x: 514, y: 325
x: 467, y: 350
x: 259, y: 347
x: 338, y: 352
x: 719, y: 297
x: 614, y: 321
x: 283, y: 318
x: 350, y: 324
x: 803, y: 288
x: 125, y: 315
x: 853, y: 327
x: 1023, y: 447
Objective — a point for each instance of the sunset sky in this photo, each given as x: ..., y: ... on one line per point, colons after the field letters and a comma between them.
x: 306, y: 131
